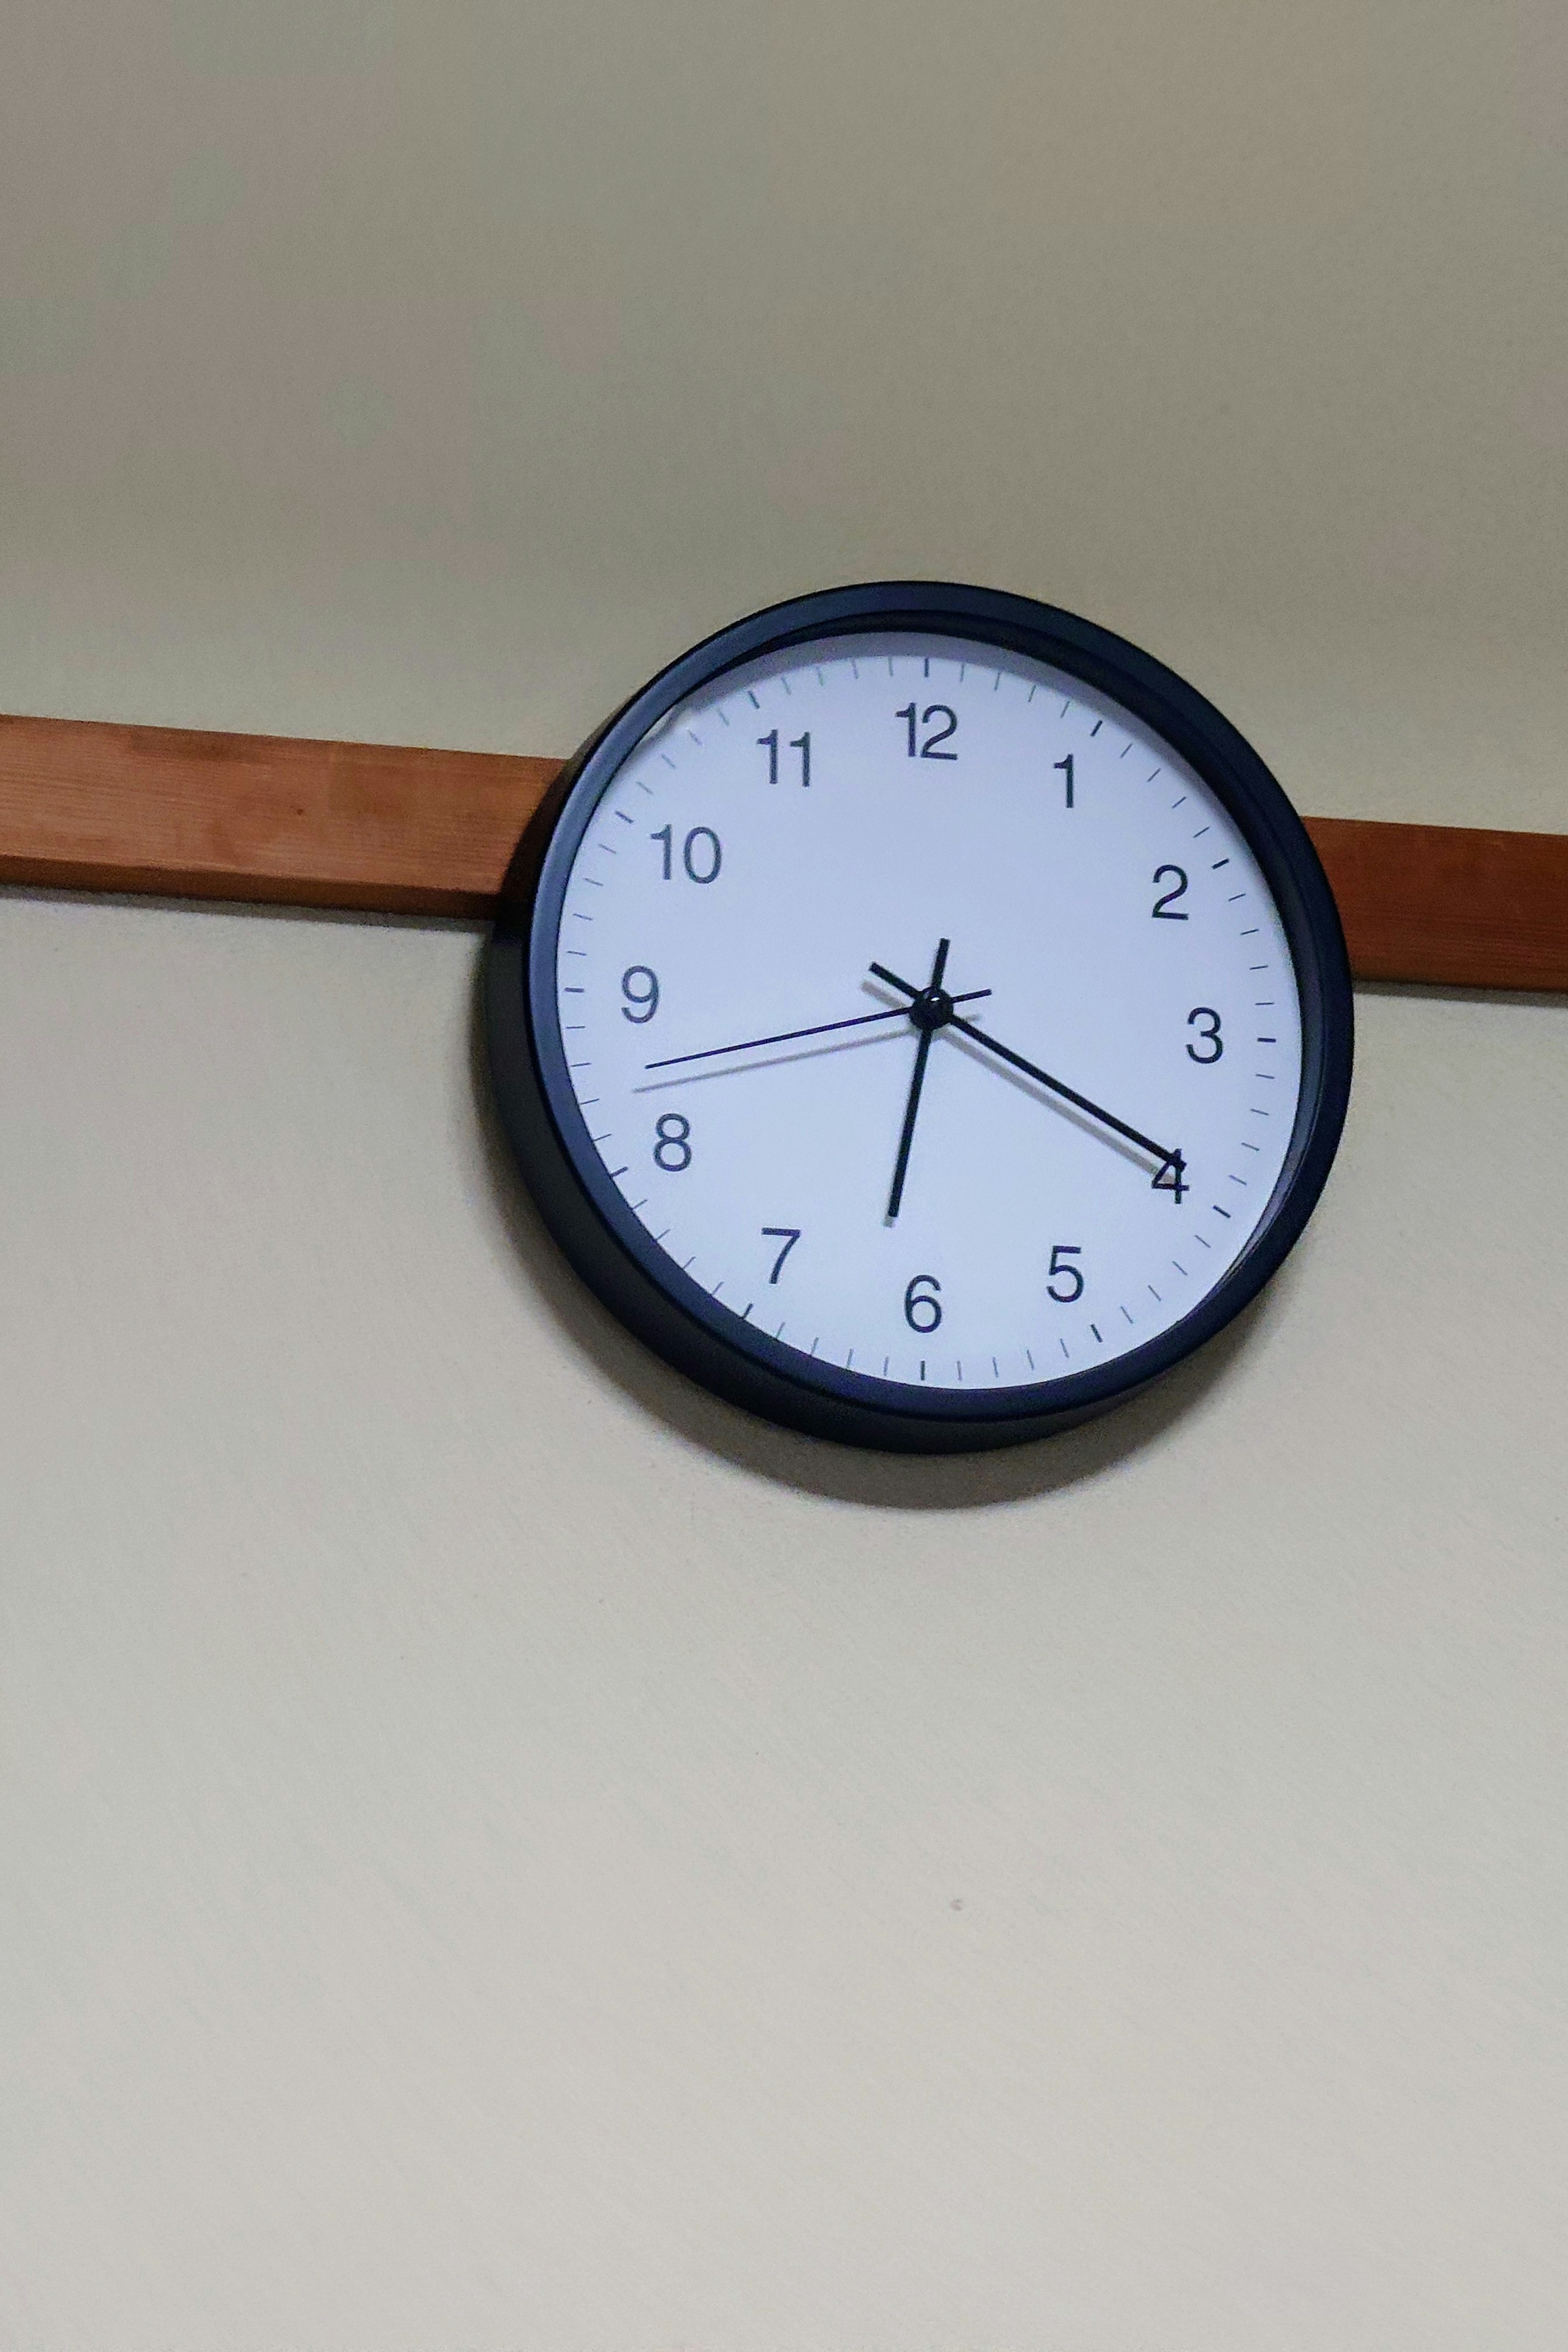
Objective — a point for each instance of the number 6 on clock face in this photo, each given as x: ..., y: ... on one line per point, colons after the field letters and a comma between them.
x: 933, y: 925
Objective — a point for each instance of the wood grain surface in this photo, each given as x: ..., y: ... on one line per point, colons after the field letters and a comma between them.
x: 1452, y: 905
x: 89, y: 806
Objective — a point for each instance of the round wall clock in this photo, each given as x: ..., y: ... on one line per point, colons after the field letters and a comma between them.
x: 920, y: 1017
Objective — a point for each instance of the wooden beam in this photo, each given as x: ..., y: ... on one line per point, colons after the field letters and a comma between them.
x: 87, y: 806
x: 1452, y: 905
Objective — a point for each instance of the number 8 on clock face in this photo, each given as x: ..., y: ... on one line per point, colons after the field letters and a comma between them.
x: 920, y: 1017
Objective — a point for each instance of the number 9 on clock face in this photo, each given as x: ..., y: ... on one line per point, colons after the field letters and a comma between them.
x: 920, y: 1017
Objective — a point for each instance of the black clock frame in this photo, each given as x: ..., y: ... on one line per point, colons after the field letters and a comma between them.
x: 613, y: 1252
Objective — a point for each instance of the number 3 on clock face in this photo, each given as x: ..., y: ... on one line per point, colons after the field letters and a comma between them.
x: 920, y: 1017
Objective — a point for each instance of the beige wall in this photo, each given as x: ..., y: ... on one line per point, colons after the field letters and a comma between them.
x: 495, y: 1850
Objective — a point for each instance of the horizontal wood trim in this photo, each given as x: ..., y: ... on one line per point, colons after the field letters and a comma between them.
x: 88, y: 807
x: 1455, y: 906
x: 268, y: 818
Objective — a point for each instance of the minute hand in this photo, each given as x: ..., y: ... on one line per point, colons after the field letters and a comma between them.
x: 1070, y: 1094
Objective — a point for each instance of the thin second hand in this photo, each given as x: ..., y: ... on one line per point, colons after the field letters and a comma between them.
x: 820, y: 1029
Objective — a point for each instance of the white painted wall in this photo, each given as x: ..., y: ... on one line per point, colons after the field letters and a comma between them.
x: 497, y: 1850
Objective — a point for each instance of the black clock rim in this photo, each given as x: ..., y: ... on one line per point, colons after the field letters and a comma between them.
x: 613, y: 1253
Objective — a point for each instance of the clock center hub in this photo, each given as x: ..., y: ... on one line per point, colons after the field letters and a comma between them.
x: 931, y: 1009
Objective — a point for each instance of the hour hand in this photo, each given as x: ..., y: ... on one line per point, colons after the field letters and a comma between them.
x: 928, y: 1018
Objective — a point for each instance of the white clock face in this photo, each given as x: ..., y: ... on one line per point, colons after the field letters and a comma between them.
x: 928, y: 1011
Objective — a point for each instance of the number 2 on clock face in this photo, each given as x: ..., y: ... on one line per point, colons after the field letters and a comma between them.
x: 936, y: 955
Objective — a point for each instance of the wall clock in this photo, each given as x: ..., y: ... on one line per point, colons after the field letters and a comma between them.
x: 920, y: 1017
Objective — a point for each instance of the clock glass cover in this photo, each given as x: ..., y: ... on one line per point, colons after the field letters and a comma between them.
x: 922, y: 1017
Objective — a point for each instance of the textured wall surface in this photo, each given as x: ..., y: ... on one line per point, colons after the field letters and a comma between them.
x: 498, y: 1850
x: 430, y: 374
x: 498, y: 1853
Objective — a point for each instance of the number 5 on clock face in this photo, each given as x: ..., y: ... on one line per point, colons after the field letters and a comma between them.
x: 937, y: 1039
